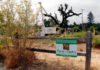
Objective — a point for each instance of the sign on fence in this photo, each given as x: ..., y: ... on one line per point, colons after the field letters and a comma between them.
x: 68, y: 47
x: 65, y: 47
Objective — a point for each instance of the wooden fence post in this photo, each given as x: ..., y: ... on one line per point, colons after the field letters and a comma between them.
x: 88, y: 50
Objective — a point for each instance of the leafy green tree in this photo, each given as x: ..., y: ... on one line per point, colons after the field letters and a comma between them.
x: 90, y: 23
x: 90, y: 18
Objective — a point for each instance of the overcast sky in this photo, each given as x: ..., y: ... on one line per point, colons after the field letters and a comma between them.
x: 77, y: 5
x: 51, y: 6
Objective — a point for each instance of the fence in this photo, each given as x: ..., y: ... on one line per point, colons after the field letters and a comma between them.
x: 88, y: 41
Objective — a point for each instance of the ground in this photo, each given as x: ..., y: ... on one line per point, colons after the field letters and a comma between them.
x: 48, y: 61
x: 67, y: 63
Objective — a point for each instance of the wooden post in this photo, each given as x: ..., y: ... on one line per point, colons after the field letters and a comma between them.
x: 88, y: 50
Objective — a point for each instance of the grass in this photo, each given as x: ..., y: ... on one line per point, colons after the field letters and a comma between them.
x: 78, y: 34
x: 96, y: 40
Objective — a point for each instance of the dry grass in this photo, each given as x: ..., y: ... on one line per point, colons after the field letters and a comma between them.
x: 25, y: 58
x: 18, y: 57
x: 93, y: 68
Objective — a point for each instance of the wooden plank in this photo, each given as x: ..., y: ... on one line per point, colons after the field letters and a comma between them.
x: 54, y: 38
x: 51, y: 51
x: 88, y: 50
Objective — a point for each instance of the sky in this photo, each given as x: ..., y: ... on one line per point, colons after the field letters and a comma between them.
x: 51, y: 6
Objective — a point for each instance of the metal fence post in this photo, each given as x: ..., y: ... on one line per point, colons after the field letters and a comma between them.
x: 88, y: 50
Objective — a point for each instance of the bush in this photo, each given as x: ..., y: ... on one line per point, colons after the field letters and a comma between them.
x: 18, y: 57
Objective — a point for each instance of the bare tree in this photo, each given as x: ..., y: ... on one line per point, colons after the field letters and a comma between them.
x: 65, y: 13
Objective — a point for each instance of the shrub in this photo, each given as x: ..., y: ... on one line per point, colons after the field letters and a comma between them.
x: 18, y: 57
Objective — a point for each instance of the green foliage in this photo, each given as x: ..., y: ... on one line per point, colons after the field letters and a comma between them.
x: 49, y: 23
x: 36, y: 28
x: 90, y: 18
x: 76, y: 29
x: 64, y: 24
x: 77, y: 34
x: 96, y: 41
x: 1, y: 17
x: 92, y: 28
x: 3, y: 41
x: 63, y: 35
x: 9, y: 24
x: 55, y: 35
x: 2, y: 28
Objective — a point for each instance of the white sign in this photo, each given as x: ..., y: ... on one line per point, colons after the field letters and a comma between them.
x: 66, y: 47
